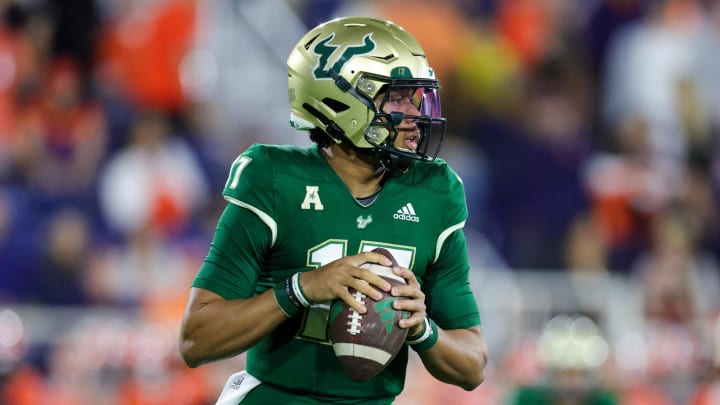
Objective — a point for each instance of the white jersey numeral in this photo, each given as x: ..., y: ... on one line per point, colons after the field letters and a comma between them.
x: 236, y: 170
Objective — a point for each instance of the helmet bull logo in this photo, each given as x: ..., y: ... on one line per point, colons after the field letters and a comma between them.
x: 325, y: 51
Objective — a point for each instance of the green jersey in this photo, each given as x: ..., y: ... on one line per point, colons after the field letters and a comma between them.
x: 550, y: 395
x: 289, y: 212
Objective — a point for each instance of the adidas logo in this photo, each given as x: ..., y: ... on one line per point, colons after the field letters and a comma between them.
x: 406, y: 213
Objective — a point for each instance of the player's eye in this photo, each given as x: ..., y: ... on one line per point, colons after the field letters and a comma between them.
x: 401, y: 96
x: 395, y: 98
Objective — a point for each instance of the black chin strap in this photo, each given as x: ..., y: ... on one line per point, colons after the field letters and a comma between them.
x: 392, y: 162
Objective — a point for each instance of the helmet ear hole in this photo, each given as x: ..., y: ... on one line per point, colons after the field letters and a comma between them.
x: 335, y: 105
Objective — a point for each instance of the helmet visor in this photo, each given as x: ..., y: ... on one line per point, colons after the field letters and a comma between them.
x: 429, y: 102
x: 418, y: 102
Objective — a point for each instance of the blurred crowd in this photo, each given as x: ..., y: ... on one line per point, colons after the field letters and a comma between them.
x: 586, y: 133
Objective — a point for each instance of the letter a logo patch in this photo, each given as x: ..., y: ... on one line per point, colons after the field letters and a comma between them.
x: 312, y: 199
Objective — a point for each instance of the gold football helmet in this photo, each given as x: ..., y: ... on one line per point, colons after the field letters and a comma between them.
x: 339, y: 68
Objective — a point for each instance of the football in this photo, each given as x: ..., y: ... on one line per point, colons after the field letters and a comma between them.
x: 366, y: 343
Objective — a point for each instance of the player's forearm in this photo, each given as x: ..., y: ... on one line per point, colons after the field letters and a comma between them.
x: 214, y: 328
x: 458, y: 358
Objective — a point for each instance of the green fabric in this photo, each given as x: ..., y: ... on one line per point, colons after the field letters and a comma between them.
x: 266, y: 394
x: 546, y: 395
x: 289, y: 212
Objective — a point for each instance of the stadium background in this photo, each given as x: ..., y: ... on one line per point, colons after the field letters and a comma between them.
x: 585, y: 132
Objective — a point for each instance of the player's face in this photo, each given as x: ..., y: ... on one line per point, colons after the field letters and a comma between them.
x: 407, y: 102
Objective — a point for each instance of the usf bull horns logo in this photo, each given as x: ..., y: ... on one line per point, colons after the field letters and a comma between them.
x: 326, y: 53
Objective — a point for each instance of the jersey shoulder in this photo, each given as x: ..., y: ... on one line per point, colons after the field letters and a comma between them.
x: 438, y: 171
x: 437, y: 177
x: 432, y: 185
x: 266, y: 153
x: 255, y: 175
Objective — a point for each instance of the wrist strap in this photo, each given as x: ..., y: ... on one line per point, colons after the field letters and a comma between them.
x: 286, y: 300
x: 427, y: 338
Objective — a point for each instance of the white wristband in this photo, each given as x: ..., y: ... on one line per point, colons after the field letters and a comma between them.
x: 427, y: 332
x: 298, y: 291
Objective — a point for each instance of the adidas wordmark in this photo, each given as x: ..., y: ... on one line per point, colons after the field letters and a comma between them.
x: 406, y: 213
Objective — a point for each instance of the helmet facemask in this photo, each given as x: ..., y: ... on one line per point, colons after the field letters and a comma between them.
x: 386, y: 126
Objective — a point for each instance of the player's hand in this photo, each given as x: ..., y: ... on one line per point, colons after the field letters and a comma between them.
x: 415, y: 302
x: 333, y: 280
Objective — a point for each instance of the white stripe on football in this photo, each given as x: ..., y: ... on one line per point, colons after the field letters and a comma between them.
x: 366, y: 352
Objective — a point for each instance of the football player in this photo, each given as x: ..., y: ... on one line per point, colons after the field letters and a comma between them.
x: 299, y: 222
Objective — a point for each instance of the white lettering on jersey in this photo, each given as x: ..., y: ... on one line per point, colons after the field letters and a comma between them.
x: 312, y: 198
x: 407, y: 213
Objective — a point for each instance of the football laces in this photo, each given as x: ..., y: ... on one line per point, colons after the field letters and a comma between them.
x: 355, y: 319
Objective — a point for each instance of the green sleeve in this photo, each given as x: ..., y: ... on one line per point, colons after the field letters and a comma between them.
x: 448, y: 295
x: 232, y: 266
x: 456, y: 211
x: 246, y: 230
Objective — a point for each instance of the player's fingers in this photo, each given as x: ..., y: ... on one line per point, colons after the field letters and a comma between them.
x: 354, y: 302
x: 407, y: 274
x: 410, y: 304
x: 373, y: 277
x: 411, y: 291
x: 373, y: 257
x: 325, y: 283
x: 359, y: 259
x: 365, y: 288
x: 415, y: 318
